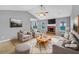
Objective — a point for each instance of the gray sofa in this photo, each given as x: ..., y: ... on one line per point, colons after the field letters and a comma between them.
x: 57, y: 49
x: 60, y: 50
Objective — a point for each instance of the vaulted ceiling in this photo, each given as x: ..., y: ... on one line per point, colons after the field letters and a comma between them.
x: 54, y: 11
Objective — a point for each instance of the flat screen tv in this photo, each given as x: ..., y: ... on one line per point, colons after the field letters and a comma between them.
x: 51, y: 21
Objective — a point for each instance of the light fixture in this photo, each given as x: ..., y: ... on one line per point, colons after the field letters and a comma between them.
x: 43, y: 11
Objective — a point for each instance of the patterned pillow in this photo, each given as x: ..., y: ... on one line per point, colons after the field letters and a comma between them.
x: 66, y: 35
x: 66, y: 42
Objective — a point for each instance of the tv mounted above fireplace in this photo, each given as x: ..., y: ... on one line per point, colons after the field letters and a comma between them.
x: 51, y: 21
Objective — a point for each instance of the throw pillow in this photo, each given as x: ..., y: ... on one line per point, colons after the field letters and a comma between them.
x: 73, y: 42
x: 66, y: 35
x: 66, y: 42
x: 72, y: 39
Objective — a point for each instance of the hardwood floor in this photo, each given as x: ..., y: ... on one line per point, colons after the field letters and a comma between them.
x: 50, y: 34
x: 15, y: 41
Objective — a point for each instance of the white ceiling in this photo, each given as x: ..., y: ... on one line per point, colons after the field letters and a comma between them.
x: 54, y: 11
x: 16, y: 7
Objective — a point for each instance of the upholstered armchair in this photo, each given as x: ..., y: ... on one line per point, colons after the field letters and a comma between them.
x: 24, y: 36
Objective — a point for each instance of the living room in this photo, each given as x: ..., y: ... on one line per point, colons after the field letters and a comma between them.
x: 39, y: 29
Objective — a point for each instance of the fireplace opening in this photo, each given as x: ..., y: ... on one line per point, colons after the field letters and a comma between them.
x: 51, y: 29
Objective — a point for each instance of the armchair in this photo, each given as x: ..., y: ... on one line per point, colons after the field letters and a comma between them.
x: 24, y: 36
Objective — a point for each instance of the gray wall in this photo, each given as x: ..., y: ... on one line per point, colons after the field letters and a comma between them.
x: 58, y: 21
x: 75, y: 10
x: 5, y: 30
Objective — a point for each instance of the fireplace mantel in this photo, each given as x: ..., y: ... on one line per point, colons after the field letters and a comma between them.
x: 51, y: 24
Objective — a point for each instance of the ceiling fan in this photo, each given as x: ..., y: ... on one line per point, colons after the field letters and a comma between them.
x: 43, y: 11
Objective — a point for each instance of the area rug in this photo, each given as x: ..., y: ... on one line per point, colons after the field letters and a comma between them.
x: 36, y: 50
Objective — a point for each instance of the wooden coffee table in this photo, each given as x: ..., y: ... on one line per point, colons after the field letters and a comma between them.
x: 42, y: 42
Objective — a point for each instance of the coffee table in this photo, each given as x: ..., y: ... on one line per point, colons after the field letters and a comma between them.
x: 42, y: 42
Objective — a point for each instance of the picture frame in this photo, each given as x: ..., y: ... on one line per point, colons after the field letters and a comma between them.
x: 15, y: 23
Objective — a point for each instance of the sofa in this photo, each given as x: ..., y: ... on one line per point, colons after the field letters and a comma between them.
x: 60, y: 50
x: 62, y: 45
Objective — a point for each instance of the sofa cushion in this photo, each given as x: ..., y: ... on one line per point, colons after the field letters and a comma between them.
x: 66, y: 42
x: 76, y: 36
x: 73, y: 39
x: 60, y: 50
x: 76, y: 39
x: 66, y: 35
x: 73, y: 42
x: 72, y: 46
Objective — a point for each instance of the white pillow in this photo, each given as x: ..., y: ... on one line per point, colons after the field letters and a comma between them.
x: 66, y: 35
x: 73, y: 42
x: 71, y: 45
x: 72, y: 39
